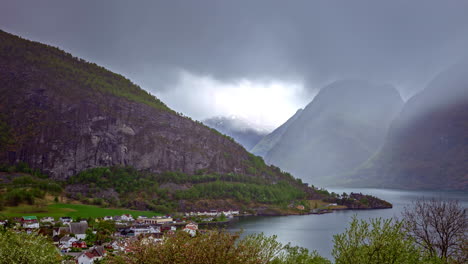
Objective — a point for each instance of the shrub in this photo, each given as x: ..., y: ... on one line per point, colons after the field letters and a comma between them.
x: 216, y: 247
x: 26, y: 248
x: 378, y: 241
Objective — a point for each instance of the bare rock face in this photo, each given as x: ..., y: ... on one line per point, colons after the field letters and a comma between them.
x: 63, y: 115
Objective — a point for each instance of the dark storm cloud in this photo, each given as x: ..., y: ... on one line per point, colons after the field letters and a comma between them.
x: 400, y: 42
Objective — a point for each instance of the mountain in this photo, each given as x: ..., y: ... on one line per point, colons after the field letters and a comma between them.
x: 73, y: 129
x: 63, y: 115
x: 341, y: 128
x: 269, y: 141
x: 239, y: 129
x: 427, y: 144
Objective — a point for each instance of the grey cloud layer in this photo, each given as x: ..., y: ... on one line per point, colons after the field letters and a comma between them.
x: 402, y: 42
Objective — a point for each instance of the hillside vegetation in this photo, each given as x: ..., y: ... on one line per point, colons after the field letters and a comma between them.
x: 63, y: 115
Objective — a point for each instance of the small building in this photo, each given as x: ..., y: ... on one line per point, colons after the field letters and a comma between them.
x: 191, y: 228
x: 79, y: 229
x: 79, y: 244
x: 47, y: 219
x: 60, y: 230
x: 65, y: 219
x: 67, y: 241
x: 85, y: 258
x: 29, y: 222
x: 91, y: 255
x: 145, y: 229
x: 155, y: 220
x: 127, y: 217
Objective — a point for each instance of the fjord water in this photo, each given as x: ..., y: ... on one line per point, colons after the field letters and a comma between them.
x: 315, y: 232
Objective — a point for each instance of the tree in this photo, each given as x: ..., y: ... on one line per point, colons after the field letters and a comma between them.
x: 440, y: 227
x: 26, y: 248
x: 216, y: 247
x: 90, y: 237
x: 378, y: 241
x: 105, y: 230
x: 299, y: 255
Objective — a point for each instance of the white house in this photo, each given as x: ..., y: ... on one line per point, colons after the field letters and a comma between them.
x: 65, y: 219
x: 67, y: 241
x: 145, y: 230
x: 47, y: 219
x: 155, y: 220
x: 91, y: 255
x: 29, y: 222
x: 191, y: 228
x: 127, y: 217
x: 85, y: 258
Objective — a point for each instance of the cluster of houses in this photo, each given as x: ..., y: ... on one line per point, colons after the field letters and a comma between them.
x: 70, y: 236
x: 214, y: 213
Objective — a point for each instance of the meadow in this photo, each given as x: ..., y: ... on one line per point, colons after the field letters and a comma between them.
x: 57, y: 210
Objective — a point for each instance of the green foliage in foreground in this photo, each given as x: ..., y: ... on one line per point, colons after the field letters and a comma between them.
x: 216, y: 247
x: 376, y: 242
x: 26, y: 248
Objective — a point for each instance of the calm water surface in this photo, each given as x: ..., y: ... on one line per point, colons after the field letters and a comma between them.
x: 315, y: 232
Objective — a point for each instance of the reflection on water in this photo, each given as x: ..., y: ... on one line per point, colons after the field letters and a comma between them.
x: 315, y: 232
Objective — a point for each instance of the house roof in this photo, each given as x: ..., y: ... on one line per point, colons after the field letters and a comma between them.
x: 98, y: 251
x: 66, y: 238
x: 32, y: 217
x: 64, y: 229
x: 87, y: 254
x: 78, y: 228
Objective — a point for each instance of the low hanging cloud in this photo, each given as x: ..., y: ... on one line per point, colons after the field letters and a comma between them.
x: 296, y: 43
x: 265, y: 103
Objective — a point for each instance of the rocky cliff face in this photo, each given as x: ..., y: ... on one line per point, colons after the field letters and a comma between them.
x: 342, y: 127
x: 427, y: 145
x: 63, y: 115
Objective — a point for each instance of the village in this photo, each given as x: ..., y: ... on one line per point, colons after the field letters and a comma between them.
x: 85, y: 241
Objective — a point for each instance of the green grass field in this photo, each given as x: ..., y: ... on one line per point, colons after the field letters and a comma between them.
x: 73, y: 210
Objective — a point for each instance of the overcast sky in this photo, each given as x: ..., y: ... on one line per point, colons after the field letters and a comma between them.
x: 260, y: 60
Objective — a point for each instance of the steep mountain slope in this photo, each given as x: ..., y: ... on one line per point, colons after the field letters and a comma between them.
x: 63, y: 115
x: 105, y: 141
x: 341, y: 128
x: 237, y: 128
x: 269, y: 141
x: 427, y: 145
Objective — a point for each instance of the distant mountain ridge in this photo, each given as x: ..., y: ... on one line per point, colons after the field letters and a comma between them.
x: 239, y: 129
x: 427, y: 144
x: 341, y: 128
x: 269, y: 141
